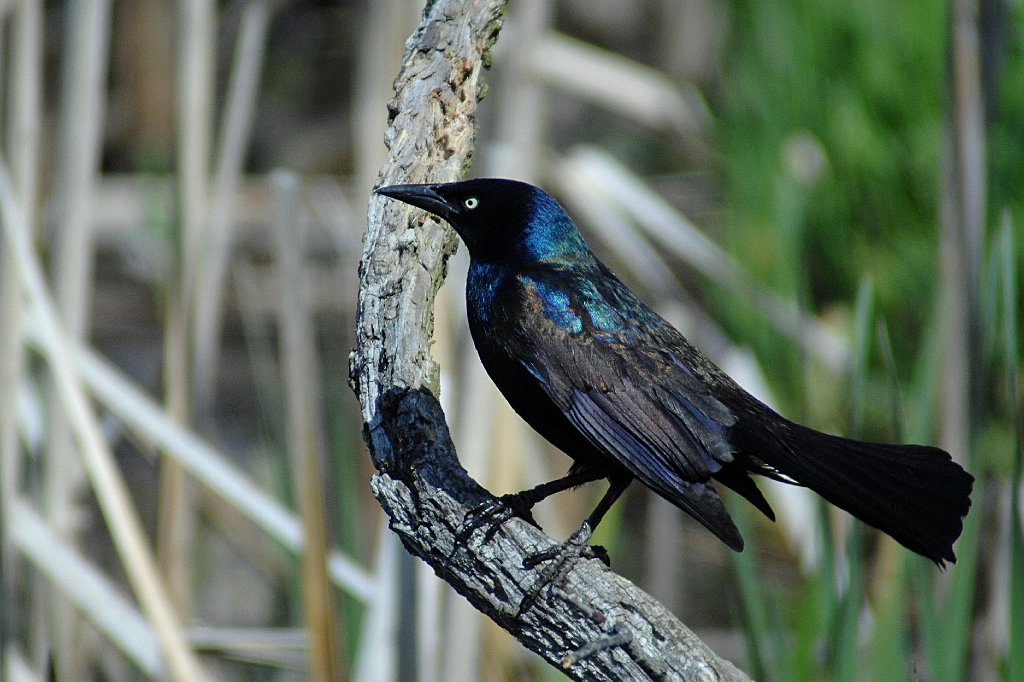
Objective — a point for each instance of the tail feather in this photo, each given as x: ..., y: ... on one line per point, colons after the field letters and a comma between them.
x: 916, y: 494
x: 740, y: 481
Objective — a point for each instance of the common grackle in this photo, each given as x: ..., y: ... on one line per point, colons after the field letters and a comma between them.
x: 622, y: 392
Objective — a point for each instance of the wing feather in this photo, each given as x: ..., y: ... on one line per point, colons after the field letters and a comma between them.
x: 625, y: 384
x: 697, y: 498
x: 672, y: 443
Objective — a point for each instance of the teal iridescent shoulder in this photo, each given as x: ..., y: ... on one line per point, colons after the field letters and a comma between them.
x: 577, y: 307
x: 607, y: 323
x: 554, y: 303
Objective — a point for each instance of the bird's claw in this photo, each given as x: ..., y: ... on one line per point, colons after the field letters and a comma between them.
x: 561, y: 558
x: 493, y: 513
x: 567, y: 550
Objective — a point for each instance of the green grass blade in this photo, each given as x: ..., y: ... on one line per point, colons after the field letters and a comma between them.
x: 1011, y: 299
x: 755, y: 603
x: 946, y: 628
x: 889, y: 657
x: 861, y: 353
x: 810, y: 620
x: 845, y: 653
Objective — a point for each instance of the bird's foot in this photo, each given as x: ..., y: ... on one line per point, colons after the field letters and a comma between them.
x: 494, y: 513
x: 576, y: 547
x: 561, y: 559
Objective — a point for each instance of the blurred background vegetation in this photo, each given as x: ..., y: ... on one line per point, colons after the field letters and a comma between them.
x: 824, y: 196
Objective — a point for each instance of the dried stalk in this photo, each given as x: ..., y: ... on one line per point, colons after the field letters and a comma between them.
x: 176, y: 516
x: 304, y: 428
x: 97, y: 458
x: 87, y: 588
x: 84, y: 103
x: 211, y: 273
x: 23, y: 116
x: 207, y: 466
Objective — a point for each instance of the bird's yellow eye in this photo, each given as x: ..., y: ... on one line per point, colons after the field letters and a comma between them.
x: 471, y: 202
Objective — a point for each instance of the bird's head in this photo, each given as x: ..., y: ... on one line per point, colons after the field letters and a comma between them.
x: 499, y: 220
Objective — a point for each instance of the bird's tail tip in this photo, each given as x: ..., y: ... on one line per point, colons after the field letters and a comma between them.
x: 916, y: 494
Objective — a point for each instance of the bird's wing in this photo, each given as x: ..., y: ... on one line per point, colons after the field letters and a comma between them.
x: 645, y: 408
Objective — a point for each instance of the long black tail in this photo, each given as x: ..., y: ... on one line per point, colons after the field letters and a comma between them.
x: 915, y: 493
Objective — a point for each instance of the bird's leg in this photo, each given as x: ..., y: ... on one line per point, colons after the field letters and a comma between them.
x: 575, y: 547
x: 501, y: 509
x: 581, y: 537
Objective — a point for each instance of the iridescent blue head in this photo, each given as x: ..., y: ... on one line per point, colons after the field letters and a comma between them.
x: 500, y: 221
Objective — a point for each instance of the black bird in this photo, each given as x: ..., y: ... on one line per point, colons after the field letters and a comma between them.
x: 622, y: 392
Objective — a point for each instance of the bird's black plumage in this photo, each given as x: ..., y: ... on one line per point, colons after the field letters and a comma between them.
x: 618, y: 389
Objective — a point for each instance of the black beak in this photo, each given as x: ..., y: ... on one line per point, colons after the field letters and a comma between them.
x: 420, y: 196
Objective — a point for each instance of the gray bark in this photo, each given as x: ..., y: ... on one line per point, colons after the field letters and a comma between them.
x: 591, y: 623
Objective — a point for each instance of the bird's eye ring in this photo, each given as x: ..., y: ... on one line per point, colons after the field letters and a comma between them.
x: 470, y: 202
